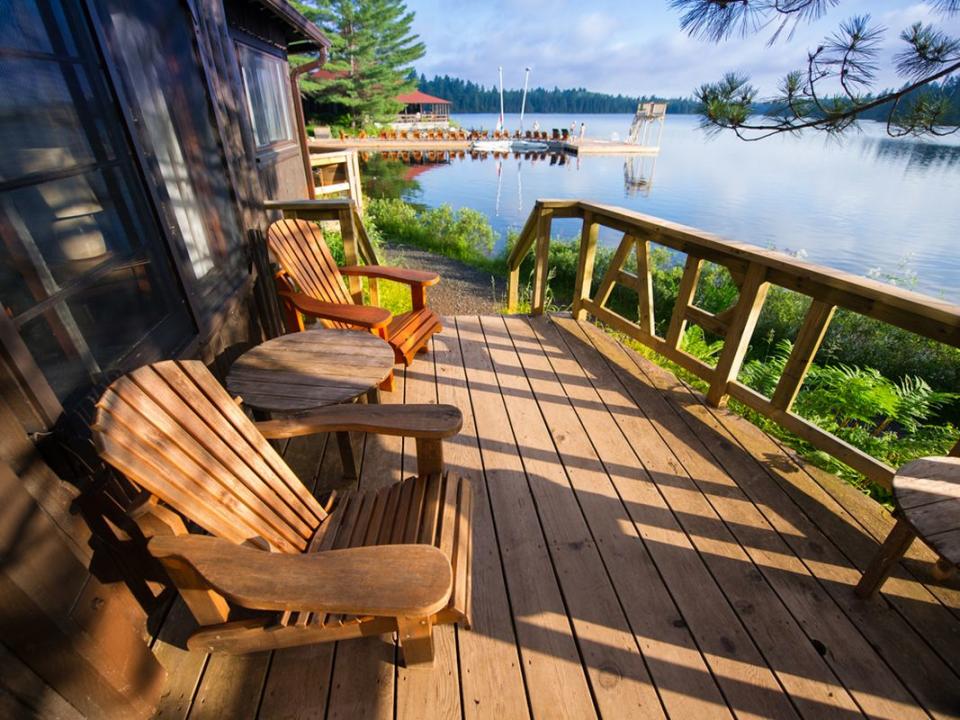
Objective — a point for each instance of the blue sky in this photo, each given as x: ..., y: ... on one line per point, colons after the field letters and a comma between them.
x: 630, y: 47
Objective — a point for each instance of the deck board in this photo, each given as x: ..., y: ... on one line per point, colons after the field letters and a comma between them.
x: 636, y: 554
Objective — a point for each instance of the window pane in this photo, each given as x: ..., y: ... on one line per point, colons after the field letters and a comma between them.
x: 268, y: 101
x: 78, y: 341
x: 24, y: 27
x: 57, y: 231
x: 43, y: 110
x: 154, y: 43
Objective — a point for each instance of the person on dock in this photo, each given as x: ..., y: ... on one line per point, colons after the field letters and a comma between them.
x: 536, y: 126
x: 583, y: 130
x: 573, y: 128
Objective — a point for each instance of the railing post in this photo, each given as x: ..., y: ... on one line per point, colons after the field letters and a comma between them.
x: 685, y: 295
x: 744, y: 319
x: 645, y: 291
x: 349, y: 234
x: 542, y: 261
x: 805, y: 348
x: 588, y: 252
x: 513, y: 289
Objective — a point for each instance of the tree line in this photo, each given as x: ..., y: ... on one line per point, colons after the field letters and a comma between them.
x: 470, y: 97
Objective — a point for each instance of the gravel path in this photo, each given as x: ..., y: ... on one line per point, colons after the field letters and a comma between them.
x: 462, y: 290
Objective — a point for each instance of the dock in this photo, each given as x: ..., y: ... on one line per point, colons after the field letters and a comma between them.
x: 587, y: 146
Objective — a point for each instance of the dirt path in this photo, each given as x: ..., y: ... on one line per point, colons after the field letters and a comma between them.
x: 463, y: 290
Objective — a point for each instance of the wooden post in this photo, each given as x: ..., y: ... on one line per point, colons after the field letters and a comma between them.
x: 809, y: 337
x: 416, y: 640
x: 513, y: 289
x: 349, y: 233
x: 735, y: 344
x: 685, y: 295
x: 542, y: 262
x: 588, y: 252
x: 429, y: 456
x: 645, y: 316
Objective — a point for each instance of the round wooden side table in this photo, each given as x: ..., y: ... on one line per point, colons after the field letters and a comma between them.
x: 296, y: 373
x: 927, y: 497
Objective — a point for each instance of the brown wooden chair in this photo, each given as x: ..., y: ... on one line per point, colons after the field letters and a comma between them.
x: 311, y: 283
x: 280, y: 570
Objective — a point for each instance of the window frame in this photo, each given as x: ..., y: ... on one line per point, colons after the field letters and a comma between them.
x: 245, y: 44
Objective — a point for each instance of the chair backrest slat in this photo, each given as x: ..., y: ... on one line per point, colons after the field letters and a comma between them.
x: 172, y: 429
x: 299, y: 247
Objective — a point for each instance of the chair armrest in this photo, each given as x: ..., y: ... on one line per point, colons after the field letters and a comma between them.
x: 416, y: 421
x: 383, y: 580
x: 400, y: 275
x: 365, y: 316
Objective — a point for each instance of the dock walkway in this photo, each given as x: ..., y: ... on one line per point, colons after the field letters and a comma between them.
x: 587, y: 146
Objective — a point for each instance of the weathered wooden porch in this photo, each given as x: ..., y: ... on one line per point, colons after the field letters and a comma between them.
x: 637, y: 553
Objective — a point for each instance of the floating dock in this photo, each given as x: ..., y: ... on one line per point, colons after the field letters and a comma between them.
x: 587, y: 146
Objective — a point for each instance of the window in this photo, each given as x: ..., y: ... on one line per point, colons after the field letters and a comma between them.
x: 153, y: 44
x: 84, y: 275
x: 268, y: 96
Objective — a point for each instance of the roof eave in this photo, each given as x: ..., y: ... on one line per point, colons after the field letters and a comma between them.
x: 307, y: 36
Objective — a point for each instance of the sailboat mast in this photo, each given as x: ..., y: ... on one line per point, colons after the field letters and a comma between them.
x: 500, y: 70
x: 523, y: 103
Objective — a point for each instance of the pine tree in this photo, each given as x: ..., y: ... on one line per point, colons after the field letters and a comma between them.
x: 371, y: 56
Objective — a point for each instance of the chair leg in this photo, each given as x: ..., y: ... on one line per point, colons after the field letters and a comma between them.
x: 882, y: 564
x: 943, y: 570
x: 416, y: 640
x: 346, y: 456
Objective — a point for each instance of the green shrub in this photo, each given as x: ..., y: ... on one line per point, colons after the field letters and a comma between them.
x: 463, y: 234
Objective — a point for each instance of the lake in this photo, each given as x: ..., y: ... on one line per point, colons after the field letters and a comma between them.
x: 867, y: 203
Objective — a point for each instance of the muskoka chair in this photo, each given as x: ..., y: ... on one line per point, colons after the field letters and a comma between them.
x: 311, y: 283
x: 279, y: 569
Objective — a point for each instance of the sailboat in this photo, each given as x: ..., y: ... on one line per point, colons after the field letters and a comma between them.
x: 516, y: 145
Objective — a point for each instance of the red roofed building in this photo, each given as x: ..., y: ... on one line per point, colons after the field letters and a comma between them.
x: 423, y: 108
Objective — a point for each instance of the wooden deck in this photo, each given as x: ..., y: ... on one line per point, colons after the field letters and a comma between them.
x: 637, y: 554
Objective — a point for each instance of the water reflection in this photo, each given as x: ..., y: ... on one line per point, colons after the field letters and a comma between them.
x: 866, y: 204
x: 915, y: 155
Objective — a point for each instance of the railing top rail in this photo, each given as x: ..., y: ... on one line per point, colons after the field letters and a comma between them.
x: 333, y: 204
x: 909, y: 300
x: 913, y: 311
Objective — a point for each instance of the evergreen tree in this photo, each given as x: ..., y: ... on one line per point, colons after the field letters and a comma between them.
x: 371, y: 56
x: 833, y: 87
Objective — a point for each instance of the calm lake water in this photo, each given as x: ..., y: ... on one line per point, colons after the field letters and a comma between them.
x: 868, y: 204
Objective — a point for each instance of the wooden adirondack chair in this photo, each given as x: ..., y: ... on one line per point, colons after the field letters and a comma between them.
x: 311, y: 283
x: 280, y: 570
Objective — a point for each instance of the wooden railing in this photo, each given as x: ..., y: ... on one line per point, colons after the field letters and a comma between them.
x: 754, y: 270
x: 357, y: 248
x: 336, y: 172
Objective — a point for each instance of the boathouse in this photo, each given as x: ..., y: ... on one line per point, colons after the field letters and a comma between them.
x: 422, y: 111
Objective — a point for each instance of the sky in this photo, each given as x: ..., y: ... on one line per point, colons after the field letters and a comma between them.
x: 633, y: 47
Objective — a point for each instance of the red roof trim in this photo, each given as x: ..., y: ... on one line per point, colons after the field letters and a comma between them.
x: 421, y: 98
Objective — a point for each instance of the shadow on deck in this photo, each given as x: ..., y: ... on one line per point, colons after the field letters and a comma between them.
x: 636, y: 554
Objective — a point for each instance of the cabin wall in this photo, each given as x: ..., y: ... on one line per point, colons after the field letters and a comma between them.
x: 75, y: 588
